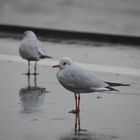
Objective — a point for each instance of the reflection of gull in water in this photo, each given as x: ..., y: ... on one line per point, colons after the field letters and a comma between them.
x: 87, y: 136
x: 83, y: 134
x: 32, y: 97
x: 77, y: 125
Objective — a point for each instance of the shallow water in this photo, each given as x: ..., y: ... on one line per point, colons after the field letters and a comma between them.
x: 105, y: 16
x: 37, y: 108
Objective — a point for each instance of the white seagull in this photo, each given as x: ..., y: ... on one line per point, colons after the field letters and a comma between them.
x: 78, y: 80
x: 31, y: 50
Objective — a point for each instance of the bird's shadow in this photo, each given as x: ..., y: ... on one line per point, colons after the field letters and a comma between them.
x: 32, y: 96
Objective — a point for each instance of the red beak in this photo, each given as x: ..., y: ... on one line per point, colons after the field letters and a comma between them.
x: 56, y: 66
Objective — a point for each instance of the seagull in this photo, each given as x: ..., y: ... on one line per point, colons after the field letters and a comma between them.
x: 31, y: 50
x: 79, y: 80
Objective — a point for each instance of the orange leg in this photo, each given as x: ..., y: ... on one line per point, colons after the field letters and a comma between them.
x: 77, y: 104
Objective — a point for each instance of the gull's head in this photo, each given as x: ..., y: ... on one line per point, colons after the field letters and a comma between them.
x: 63, y: 63
x: 28, y: 35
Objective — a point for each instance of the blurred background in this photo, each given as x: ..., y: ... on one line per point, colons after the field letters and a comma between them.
x: 103, y: 16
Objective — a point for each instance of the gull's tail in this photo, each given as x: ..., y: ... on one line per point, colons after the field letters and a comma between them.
x: 45, y: 56
x: 116, y: 84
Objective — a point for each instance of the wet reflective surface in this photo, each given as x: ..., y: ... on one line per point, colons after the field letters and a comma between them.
x: 32, y: 97
x: 83, y: 134
x: 37, y: 107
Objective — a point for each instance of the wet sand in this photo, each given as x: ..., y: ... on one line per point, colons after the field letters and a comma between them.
x: 37, y: 108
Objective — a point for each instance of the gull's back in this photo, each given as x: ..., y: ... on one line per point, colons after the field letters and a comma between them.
x: 31, y: 48
x: 77, y: 79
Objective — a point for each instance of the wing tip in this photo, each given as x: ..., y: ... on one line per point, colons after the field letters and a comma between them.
x: 112, y: 89
x: 45, y: 56
x: 116, y: 84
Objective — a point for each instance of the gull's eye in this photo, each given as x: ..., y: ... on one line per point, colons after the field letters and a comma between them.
x: 64, y: 63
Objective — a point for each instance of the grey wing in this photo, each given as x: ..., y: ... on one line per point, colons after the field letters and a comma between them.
x: 42, y: 51
x: 77, y: 78
x: 40, y: 48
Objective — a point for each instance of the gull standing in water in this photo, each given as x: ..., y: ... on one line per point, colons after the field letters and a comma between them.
x: 31, y: 50
x: 78, y: 80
